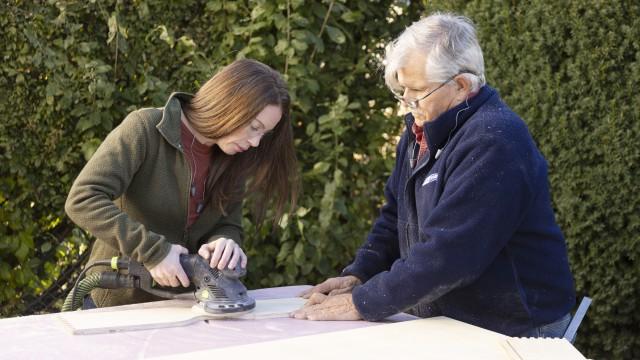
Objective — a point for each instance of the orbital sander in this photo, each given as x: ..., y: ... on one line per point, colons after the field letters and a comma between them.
x: 217, y: 292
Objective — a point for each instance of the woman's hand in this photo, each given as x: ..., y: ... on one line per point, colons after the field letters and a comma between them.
x: 223, y: 252
x: 169, y: 272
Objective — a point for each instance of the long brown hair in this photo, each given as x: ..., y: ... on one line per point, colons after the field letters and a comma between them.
x: 229, y: 101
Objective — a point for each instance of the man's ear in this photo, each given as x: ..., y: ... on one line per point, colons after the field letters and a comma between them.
x: 463, y: 87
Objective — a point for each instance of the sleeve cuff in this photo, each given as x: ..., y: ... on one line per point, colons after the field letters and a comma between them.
x: 354, y: 271
x: 359, y: 297
x: 373, y: 304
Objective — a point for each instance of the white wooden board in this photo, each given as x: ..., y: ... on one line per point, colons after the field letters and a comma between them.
x: 98, y: 322
x: 437, y: 338
x: 434, y: 339
x: 541, y: 349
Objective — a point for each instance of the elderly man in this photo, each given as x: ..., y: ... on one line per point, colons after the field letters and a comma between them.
x: 467, y: 230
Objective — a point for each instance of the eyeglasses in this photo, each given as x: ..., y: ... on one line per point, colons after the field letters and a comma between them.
x: 413, y: 103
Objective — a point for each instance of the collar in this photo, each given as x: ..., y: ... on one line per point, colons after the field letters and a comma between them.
x: 189, y: 140
x: 169, y: 125
x: 437, y: 131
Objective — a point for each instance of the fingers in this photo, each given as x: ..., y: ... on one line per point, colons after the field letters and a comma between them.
x: 169, y: 272
x: 243, y: 257
x: 174, y: 276
x: 226, y: 254
x: 299, y: 314
x: 340, y: 291
x: 320, y: 315
x: 223, y: 253
x: 158, y: 279
x: 316, y: 289
x: 324, y: 287
x: 182, y: 277
x: 316, y: 298
x: 217, y: 253
x: 338, y: 307
x: 205, y: 250
x: 234, y: 258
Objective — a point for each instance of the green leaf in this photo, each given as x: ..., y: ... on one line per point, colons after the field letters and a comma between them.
x: 284, y: 221
x: 257, y: 11
x: 284, y: 252
x: 351, y: 16
x: 88, y: 121
x: 113, y: 27
x: 299, y: 45
x: 213, y: 6
x: 281, y: 46
x: 311, y: 128
x: 336, y: 35
x: 45, y: 247
x: 22, y: 252
x: 302, y: 211
x: 89, y: 148
x: 298, y: 251
x: 326, y: 204
x: 320, y: 167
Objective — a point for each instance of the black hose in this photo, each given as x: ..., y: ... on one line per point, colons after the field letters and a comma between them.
x: 73, y: 301
x: 72, y: 293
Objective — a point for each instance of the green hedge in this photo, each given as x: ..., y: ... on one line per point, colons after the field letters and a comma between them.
x: 71, y: 71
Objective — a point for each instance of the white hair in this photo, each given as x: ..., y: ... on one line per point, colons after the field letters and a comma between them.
x: 451, y: 47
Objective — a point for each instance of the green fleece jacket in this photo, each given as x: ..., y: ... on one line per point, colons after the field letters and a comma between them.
x: 133, y: 194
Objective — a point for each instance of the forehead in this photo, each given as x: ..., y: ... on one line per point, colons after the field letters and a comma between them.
x: 412, y: 72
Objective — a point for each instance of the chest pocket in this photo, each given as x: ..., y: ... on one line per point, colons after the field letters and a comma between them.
x: 427, y: 192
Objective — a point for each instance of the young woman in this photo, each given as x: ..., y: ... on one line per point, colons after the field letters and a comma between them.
x: 172, y: 180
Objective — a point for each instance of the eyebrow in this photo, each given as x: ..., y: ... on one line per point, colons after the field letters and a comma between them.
x: 260, y: 122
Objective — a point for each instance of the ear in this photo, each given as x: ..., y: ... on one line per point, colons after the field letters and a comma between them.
x: 463, y: 87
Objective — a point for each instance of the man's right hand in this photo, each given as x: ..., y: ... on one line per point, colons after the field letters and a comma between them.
x: 169, y: 272
x: 333, y: 286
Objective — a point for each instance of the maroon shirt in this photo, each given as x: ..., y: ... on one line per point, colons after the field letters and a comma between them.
x: 420, y: 139
x: 199, y: 157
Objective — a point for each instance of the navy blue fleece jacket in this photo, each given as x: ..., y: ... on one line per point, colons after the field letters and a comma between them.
x: 469, y: 232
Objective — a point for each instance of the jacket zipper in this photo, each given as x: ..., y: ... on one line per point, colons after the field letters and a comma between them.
x: 185, y: 232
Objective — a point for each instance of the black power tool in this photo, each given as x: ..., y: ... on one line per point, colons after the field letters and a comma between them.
x: 216, y: 291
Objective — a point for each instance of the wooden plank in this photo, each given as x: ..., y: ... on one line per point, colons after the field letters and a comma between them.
x: 433, y: 338
x: 541, y: 349
x: 98, y: 322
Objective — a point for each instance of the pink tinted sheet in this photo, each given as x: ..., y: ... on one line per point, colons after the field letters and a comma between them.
x: 45, y: 337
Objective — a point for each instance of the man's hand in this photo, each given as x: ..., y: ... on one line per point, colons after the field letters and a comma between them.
x: 223, y: 252
x: 169, y: 272
x: 332, y: 307
x: 333, y: 286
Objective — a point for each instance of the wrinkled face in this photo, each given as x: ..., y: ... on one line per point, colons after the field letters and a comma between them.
x: 245, y: 137
x: 412, y: 76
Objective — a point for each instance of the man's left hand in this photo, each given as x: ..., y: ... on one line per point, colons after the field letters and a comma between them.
x: 328, y: 307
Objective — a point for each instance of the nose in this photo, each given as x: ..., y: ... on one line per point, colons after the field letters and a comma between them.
x: 255, y: 141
